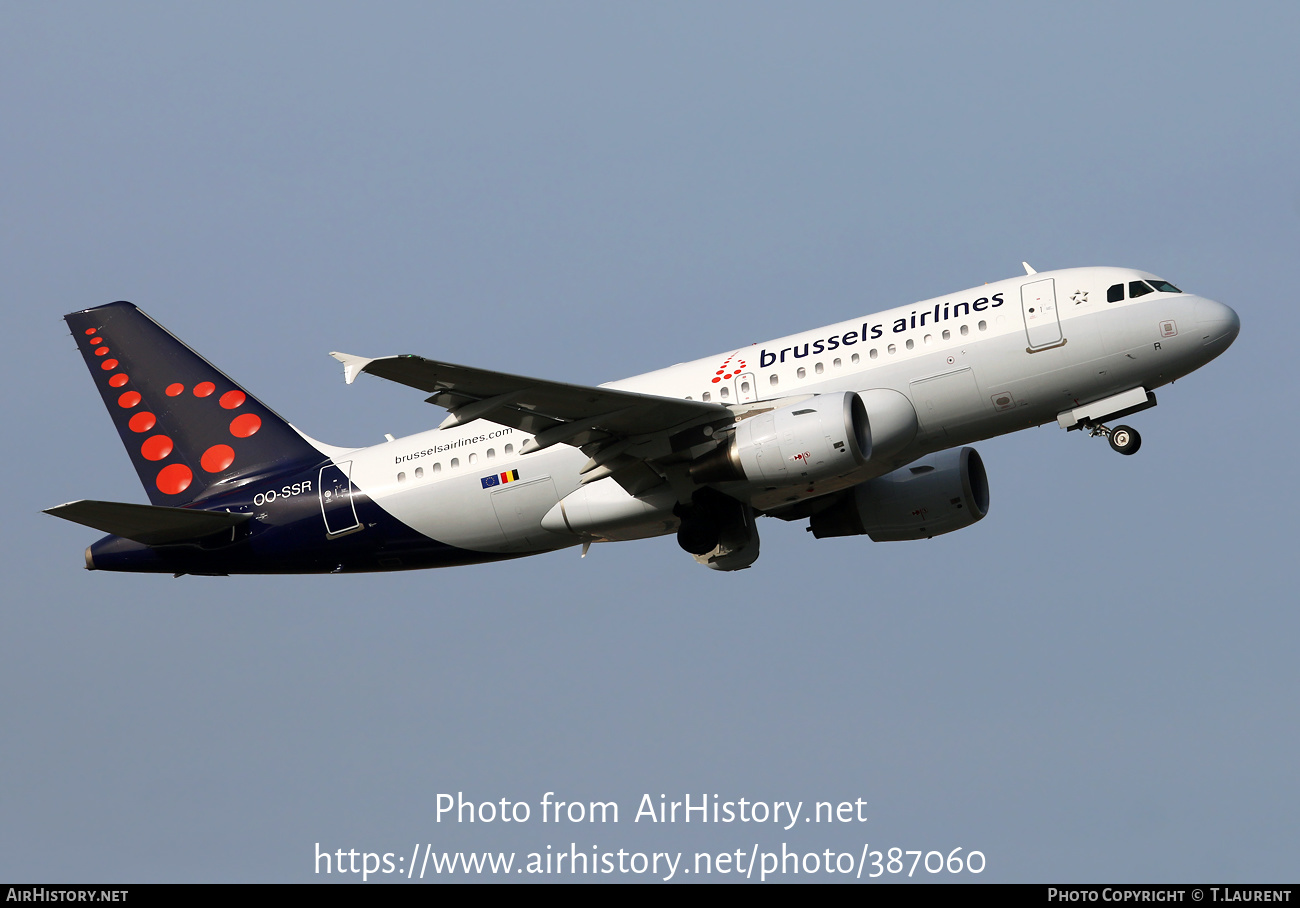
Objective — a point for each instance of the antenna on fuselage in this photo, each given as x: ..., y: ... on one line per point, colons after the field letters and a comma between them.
x: 1028, y: 269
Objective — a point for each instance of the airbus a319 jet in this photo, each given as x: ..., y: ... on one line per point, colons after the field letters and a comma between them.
x: 856, y: 428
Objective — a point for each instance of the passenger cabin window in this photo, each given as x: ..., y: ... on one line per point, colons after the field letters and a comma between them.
x: 491, y: 453
x: 818, y: 369
x: 854, y: 359
x: 773, y: 380
x: 1138, y: 288
x: 965, y: 329
x: 1115, y: 293
x: 473, y: 458
x: 510, y: 449
x: 706, y: 396
x: 836, y: 362
x: 947, y: 335
x: 722, y: 392
x: 892, y: 348
x: 744, y: 387
x: 910, y: 343
x: 419, y: 472
x: 437, y: 468
x: 802, y: 373
x: 455, y: 462
x: 874, y: 353
x: 401, y: 477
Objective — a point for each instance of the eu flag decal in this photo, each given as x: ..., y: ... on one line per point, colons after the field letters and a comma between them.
x: 498, y: 479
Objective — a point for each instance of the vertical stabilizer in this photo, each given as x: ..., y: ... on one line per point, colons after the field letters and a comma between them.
x: 188, y: 428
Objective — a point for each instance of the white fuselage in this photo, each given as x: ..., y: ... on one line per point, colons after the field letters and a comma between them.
x: 982, y: 362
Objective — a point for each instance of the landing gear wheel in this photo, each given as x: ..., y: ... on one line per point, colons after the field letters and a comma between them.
x: 1125, y: 440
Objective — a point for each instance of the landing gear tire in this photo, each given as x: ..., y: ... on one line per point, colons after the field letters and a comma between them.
x: 1125, y: 440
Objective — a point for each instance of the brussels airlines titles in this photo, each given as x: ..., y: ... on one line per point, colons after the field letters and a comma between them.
x: 871, y: 332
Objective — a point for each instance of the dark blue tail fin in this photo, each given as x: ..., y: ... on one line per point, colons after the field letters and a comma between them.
x: 189, y: 429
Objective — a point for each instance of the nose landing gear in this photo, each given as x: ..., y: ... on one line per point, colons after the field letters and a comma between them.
x: 1124, y: 439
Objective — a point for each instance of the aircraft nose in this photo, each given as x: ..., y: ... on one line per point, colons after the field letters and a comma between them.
x: 1218, y: 324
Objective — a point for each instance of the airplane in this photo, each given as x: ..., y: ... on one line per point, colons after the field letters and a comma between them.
x: 859, y: 428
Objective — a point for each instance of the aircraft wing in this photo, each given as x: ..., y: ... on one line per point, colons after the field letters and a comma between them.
x: 621, y: 424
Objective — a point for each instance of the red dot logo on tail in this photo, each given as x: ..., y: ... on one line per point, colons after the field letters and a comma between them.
x: 118, y: 380
x: 217, y: 458
x: 156, y: 447
x: 175, y: 389
x: 129, y: 399
x: 142, y: 422
x: 174, y: 479
x: 204, y: 389
x: 245, y: 424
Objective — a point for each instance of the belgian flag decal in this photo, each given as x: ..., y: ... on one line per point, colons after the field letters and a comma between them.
x: 500, y: 479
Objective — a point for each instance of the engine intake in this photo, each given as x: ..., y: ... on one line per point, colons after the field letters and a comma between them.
x: 935, y: 495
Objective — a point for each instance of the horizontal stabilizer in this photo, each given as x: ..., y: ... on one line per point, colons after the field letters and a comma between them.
x: 148, y: 524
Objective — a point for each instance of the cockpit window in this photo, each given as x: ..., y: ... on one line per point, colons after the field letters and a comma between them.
x: 1115, y: 293
x: 1165, y: 287
x: 1138, y: 288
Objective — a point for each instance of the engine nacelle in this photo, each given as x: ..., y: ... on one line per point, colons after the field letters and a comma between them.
x: 827, y: 436
x: 892, y: 421
x: 935, y: 495
x: 814, y: 439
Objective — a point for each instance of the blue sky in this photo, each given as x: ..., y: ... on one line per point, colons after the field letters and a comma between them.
x: 1096, y: 683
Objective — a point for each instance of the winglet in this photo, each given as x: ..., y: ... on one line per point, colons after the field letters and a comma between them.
x: 1028, y: 270
x: 352, y: 365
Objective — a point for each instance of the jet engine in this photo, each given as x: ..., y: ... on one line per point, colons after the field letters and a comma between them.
x: 826, y: 436
x: 935, y: 495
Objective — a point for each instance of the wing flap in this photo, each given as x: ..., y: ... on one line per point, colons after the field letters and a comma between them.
x: 148, y: 524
